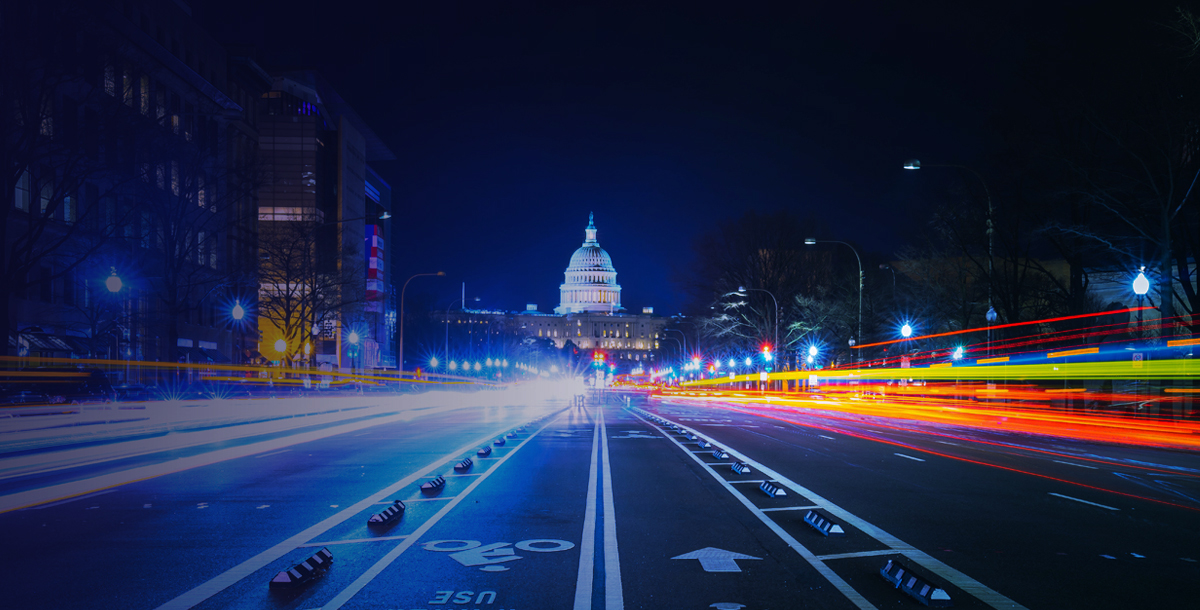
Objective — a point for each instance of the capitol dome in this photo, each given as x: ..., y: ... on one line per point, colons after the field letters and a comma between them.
x: 591, y: 280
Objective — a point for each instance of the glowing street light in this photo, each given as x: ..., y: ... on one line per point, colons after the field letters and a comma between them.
x: 114, y: 284
x: 906, y: 330
x: 812, y: 350
x: 353, y: 338
x: 238, y: 312
x: 433, y: 362
x: 280, y: 346
x: 748, y: 361
x: 1141, y: 286
x: 958, y: 353
x: 453, y: 365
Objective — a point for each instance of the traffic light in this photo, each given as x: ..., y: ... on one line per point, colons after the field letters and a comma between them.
x: 597, y: 359
x: 766, y: 350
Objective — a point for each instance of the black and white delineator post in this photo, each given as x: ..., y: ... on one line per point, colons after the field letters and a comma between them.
x: 389, y: 516
x: 434, y: 484
x: 303, y: 572
x: 823, y: 525
x: 740, y: 467
x: 464, y: 465
x: 915, y: 586
x: 484, y: 451
x: 772, y: 489
x: 720, y: 454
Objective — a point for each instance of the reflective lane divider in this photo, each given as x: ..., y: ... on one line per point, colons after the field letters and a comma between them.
x: 511, y: 435
x: 484, y: 451
x: 434, y: 485
x: 464, y: 465
x: 821, y: 524
x: 919, y: 588
x: 740, y: 467
x: 705, y: 444
x: 389, y: 516
x: 499, y: 442
x: 720, y: 454
x: 303, y: 572
x: 771, y: 489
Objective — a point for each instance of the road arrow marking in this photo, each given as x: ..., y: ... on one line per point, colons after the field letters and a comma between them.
x: 717, y: 560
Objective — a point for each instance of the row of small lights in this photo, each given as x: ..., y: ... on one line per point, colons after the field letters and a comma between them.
x: 467, y: 365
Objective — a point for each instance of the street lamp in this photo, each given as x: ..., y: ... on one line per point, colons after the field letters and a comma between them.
x: 1141, y: 286
x: 916, y: 164
x: 742, y: 292
x: 991, y: 317
x: 808, y: 241
x: 400, y: 349
x: 906, y: 330
x: 113, y: 283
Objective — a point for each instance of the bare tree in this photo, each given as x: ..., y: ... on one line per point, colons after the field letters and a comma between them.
x: 299, y: 289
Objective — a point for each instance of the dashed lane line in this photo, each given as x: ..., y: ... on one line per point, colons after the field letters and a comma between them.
x: 858, y: 554
x: 915, y: 459
x: 1074, y: 464
x: 767, y: 510
x: 354, y: 541
x: 1083, y: 501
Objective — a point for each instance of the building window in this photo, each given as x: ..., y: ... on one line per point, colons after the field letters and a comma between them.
x: 21, y: 200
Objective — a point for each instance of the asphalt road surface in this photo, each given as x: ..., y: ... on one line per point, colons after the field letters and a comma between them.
x: 624, y: 501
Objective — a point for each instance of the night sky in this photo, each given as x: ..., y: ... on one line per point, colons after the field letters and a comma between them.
x: 512, y: 121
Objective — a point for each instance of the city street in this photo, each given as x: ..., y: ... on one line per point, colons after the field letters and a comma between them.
x: 602, y: 505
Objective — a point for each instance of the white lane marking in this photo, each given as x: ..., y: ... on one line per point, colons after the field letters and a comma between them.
x: 1108, y: 557
x: 587, y: 545
x: 465, y: 474
x: 841, y: 585
x: 767, y: 510
x: 760, y: 481
x: 614, y: 598
x: 235, y: 574
x: 354, y: 541
x: 263, y: 506
x: 363, y: 580
x: 263, y: 455
x: 1188, y: 559
x: 916, y: 459
x: 828, y: 437
x: 948, y: 443
x: 958, y: 579
x: 858, y: 554
x: 1084, y: 501
x: 1074, y: 464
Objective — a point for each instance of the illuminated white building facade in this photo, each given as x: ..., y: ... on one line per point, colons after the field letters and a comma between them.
x: 591, y: 281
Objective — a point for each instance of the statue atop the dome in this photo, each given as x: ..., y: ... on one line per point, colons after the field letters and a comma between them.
x: 590, y: 231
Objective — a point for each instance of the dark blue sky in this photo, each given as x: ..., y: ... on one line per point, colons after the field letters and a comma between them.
x: 512, y: 121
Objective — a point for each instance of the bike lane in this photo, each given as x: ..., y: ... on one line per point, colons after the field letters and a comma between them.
x: 514, y: 542
x: 688, y: 541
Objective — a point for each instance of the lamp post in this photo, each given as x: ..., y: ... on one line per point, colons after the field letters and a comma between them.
x: 915, y: 164
x: 114, y: 284
x: 991, y: 318
x: 400, y: 349
x: 742, y: 291
x: 808, y: 241
x: 1141, y: 286
x: 681, y: 334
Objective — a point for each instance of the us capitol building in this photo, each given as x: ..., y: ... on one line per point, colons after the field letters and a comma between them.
x: 589, y: 313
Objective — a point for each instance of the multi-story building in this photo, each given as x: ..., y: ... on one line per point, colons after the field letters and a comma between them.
x: 323, y: 228
x: 117, y: 233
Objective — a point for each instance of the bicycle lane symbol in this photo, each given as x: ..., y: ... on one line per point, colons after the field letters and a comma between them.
x: 472, y: 553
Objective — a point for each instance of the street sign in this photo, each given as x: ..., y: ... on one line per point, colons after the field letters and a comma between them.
x: 717, y: 560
